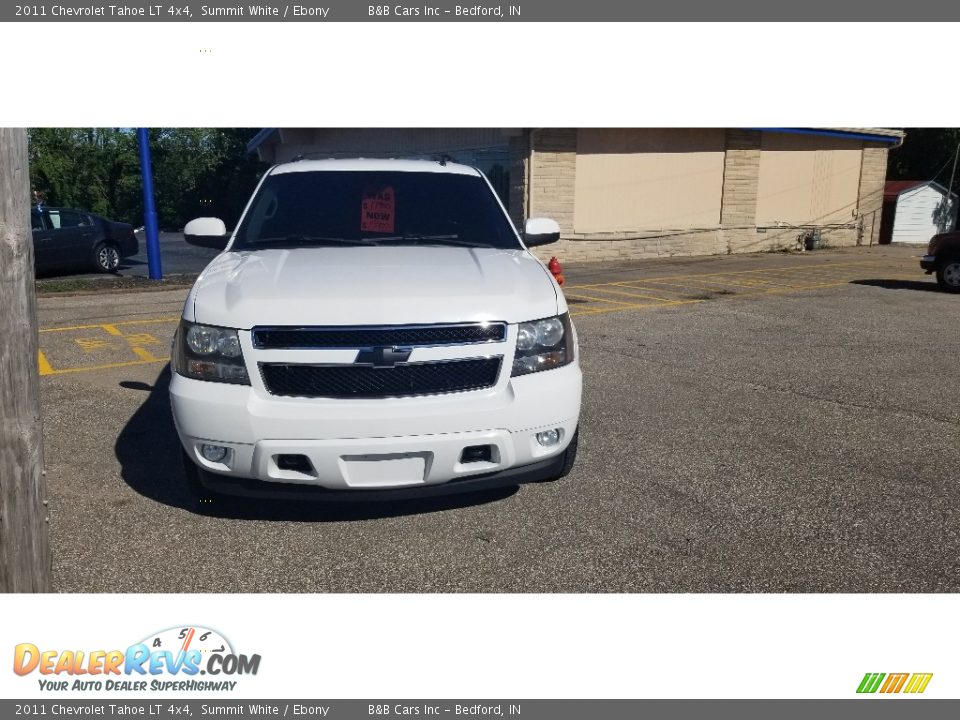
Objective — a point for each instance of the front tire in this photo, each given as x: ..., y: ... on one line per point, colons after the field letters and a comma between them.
x: 948, y: 275
x: 106, y: 257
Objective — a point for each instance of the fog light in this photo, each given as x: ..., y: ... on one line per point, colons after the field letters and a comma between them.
x: 213, y: 453
x: 548, y: 437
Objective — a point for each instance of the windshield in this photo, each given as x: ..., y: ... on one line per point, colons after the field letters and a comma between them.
x: 334, y: 208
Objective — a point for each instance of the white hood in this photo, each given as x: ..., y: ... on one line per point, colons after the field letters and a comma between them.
x: 373, y: 286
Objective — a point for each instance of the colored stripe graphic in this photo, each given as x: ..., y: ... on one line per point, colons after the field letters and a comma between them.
x: 870, y: 682
x: 895, y: 683
x: 918, y: 683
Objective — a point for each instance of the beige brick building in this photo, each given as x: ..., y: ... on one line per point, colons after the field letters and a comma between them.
x: 649, y: 192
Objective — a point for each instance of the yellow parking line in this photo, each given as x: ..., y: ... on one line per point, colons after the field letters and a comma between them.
x: 781, y: 291
x: 91, y: 368
x: 770, y: 291
x: 816, y: 272
x: 102, y: 326
x: 720, y: 284
x: 112, y: 329
x: 782, y: 278
x: 45, y: 367
x: 639, y: 295
x: 801, y: 277
x: 817, y: 266
x: 594, y: 299
x: 688, y: 287
x: 749, y: 283
x: 764, y: 286
x: 638, y: 306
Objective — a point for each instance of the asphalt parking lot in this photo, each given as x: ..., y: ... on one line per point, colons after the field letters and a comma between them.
x: 757, y: 423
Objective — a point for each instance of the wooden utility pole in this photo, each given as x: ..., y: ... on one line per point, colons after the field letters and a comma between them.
x: 24, y: 544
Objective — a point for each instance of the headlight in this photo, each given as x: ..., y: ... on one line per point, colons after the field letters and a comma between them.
x: 542, y: 345
x: 205, y: 352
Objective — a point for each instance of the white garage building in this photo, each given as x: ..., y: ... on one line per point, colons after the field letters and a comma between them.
x: 914, y: 211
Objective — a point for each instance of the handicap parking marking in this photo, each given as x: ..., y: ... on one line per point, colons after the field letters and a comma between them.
x: 114, y: 326
x: 89, y: 344
x: 86, y: 348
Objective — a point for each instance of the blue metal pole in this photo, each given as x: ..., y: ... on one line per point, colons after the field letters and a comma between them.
x: 149, y: 208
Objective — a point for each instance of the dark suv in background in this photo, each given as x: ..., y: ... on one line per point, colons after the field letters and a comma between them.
x: 943, y: 258
x: 65, y: 239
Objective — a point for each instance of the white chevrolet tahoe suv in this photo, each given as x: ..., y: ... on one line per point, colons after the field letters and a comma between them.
x: 374, y: 329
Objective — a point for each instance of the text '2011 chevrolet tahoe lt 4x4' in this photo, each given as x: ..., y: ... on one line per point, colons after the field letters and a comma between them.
x: 374, y: 329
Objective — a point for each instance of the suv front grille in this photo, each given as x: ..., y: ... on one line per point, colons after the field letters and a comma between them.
x: 289, y: 338
x: 359, y: 381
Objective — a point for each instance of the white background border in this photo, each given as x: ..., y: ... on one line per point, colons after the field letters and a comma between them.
x: 479, y: 74
x: 521, y: 646
x: 510, y: 75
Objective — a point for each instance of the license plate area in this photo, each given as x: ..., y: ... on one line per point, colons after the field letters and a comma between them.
x: 385, y: 470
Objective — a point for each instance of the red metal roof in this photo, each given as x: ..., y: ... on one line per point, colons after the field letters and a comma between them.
x: 893, y: 188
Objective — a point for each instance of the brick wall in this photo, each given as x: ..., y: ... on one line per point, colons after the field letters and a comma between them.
x: 741, y: 173
x: 738, y: 210
x: 551, y: 168
x: 873, y: 176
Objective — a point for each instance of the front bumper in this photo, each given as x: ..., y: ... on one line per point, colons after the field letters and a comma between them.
x: 544, y: 470
x: 365, y: 446
x: 928, y: 263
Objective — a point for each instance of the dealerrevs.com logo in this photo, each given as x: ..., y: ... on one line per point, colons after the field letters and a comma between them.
x: 179, y: 659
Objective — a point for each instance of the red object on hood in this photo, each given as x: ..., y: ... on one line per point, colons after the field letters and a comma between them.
x: 556, y: 269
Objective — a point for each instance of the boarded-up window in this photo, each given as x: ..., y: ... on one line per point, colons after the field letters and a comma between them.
x: 648, y: 179
x: 808, y: 179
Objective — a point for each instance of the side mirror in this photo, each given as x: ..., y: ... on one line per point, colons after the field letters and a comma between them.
x: 540, y: 231
x: 207, y: 232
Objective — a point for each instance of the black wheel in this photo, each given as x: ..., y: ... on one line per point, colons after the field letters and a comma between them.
x: 569, y: 455
x: 948, y: 275
x: 198, y: 492
x: 106, y: 257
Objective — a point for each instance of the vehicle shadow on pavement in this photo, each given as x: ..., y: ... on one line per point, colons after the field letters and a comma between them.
x: 927, y: 286
x: 149, y: 453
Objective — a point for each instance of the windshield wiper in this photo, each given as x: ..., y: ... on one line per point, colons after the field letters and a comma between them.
x: 305, y: 240
x: 431, y: 239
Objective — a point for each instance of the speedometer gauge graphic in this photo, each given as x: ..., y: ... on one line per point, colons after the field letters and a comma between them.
x: 184, y: 638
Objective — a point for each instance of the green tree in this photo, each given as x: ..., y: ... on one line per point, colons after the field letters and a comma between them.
x: 197, y: 171
x: 82, y: 168
x: 926, y: 154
